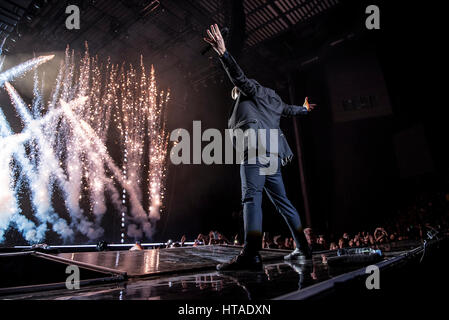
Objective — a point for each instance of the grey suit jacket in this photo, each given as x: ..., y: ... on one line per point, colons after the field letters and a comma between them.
x: 258, y: 107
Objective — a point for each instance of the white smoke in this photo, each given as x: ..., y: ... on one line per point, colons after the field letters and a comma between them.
x: 67, y: 149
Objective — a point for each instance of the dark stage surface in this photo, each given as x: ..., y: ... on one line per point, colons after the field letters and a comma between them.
x: 157, y: 261
x: 188, y: 273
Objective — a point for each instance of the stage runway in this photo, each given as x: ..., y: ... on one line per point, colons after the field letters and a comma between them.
x: 189, y: 273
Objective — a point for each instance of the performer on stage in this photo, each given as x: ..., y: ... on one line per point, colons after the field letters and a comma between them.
x: 259, y: 107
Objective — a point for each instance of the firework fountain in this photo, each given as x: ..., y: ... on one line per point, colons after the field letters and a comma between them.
x: 63, y: 146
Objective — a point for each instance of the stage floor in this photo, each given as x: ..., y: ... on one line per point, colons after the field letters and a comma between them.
x: 188, y: 273
x: 163, y: 261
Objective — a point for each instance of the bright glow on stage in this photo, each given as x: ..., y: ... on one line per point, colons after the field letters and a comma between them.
x: 62, y: 150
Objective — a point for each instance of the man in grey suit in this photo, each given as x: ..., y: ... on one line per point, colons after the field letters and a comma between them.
x: 258, y: 107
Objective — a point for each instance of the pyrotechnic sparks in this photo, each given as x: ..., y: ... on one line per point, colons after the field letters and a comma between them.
x: 63, y: 145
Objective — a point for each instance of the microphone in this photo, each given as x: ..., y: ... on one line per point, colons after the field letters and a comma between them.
x: 224, y: 34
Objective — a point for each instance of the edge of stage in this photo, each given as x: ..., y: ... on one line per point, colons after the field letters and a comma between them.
x: 189, y: 273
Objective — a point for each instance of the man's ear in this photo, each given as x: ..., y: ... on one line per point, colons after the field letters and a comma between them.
x: 235, y: 93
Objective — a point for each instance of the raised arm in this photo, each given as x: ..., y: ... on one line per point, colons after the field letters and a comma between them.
x: 293, y: 110
x: 233, y: 70
x: 238, y: 78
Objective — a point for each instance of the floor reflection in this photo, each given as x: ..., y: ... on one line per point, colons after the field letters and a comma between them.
x: 276, y: 279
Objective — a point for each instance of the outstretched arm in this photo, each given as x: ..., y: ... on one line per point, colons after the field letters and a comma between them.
x: 233, y: 70
x: 293, y: 110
